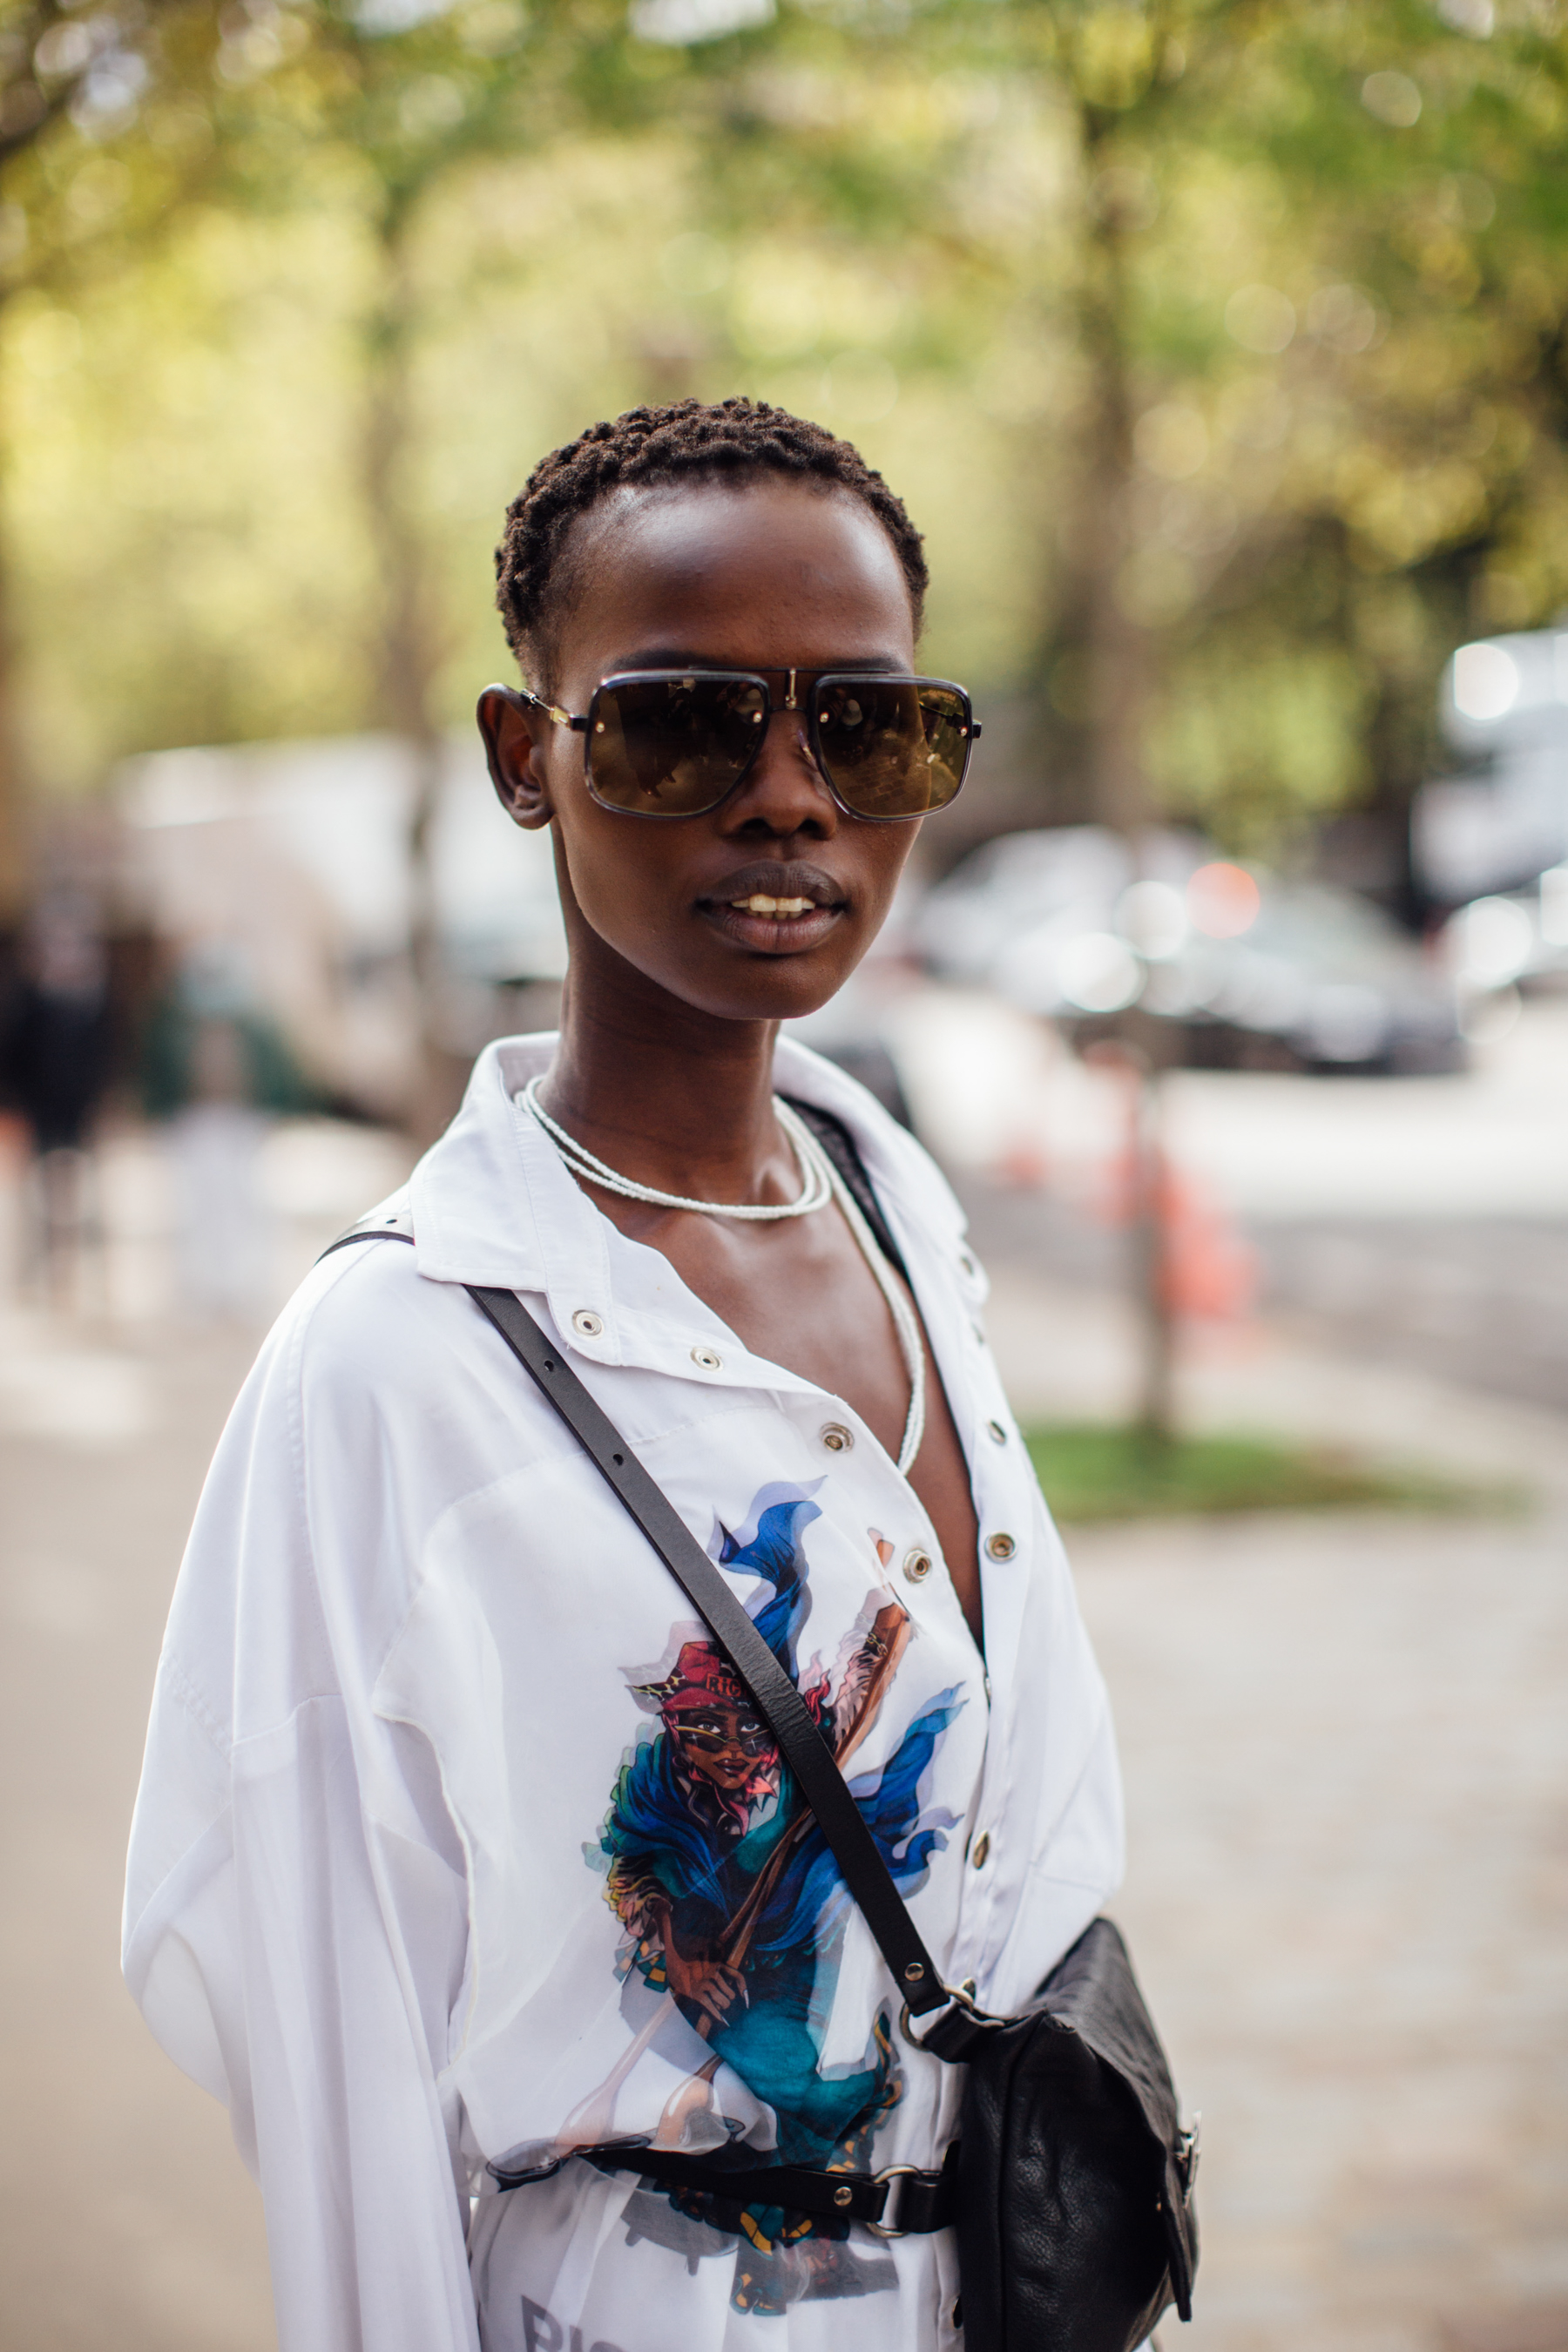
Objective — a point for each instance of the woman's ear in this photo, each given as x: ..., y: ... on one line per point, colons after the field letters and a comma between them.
x: 515, y: 735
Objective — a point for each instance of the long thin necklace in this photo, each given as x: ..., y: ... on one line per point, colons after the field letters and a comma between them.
x: 905, y: 1323
x: 820, y: 1182
x: 816, y: 1192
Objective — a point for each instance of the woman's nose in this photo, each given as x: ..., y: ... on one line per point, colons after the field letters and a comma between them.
x: 785, y: 792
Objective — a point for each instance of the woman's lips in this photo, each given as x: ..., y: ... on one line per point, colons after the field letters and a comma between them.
x: 776, y: 906
x: 772, y: 926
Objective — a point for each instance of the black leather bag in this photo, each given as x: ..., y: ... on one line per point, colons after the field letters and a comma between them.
x: 1075, y: 2219
x: 1071, y: 2189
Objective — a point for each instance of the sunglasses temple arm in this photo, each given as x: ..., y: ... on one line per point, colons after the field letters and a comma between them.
x: 552, y: 710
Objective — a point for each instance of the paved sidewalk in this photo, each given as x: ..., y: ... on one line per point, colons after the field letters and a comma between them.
x: 126, y: 2218
x: 1347, y: 1760
x: 1346, y: 1754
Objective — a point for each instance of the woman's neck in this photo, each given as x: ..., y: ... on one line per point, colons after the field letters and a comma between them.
x: 669, y: 1095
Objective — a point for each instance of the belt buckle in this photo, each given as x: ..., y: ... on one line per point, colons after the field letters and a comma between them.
x: 885, y: 2229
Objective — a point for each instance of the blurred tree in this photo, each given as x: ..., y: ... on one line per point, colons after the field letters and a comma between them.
x: 68, y: 80
x: 1315, y: 413
x: 1251, y: 253
x: 1219, y: 346
x: 396, y: 98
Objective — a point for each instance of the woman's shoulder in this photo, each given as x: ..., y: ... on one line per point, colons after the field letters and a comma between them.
x: 364, y: 1323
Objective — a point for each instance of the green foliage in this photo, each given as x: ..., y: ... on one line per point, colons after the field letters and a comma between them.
x: 1254, y: 701
x: 1237, y: 326
x: 184, y: 512
x: 1093, y: 1471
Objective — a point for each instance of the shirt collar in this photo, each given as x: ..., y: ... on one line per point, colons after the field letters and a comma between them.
x: 493, y: 1204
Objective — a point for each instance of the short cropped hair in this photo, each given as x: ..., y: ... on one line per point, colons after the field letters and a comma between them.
x: 728, y: 441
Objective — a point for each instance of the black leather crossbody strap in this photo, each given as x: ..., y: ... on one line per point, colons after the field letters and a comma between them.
x: 391, y: 1229
x: 905, y: 2201
x: 779, y: 1703
x: 840, y: 1147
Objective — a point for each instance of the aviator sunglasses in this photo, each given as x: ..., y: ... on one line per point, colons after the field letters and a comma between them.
x: 670, y: 743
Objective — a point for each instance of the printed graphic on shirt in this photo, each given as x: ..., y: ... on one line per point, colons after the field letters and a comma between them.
x: 734, y: 1911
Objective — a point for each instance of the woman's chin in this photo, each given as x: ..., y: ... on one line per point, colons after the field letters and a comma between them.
x: 722, y: 979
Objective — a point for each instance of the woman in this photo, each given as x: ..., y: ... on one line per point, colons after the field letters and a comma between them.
x: 460, y: 1847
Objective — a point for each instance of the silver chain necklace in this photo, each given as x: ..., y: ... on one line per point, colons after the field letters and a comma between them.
x: 820, y: 1182
x: 814, y: 1193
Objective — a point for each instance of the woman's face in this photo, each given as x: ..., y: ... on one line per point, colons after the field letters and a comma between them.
x: 765, y: 576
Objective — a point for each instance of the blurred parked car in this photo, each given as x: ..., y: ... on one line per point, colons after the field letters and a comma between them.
x: 1077, y: 924
x: 1515, y: 939
x: 1502, y: 820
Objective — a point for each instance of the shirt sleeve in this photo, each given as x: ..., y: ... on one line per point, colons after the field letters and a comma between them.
x: 295, y: 1916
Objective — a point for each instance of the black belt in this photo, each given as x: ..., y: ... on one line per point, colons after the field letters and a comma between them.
x: 901, y: 2201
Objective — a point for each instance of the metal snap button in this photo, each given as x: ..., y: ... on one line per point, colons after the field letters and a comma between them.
x: 844, y: 2197
x: 837, y: 1438
x: 917, y: 1565
x: 589, y: 1324
x: 995, y: 1431
x: 705, y: 1358
x: 981, y: 1850
x: 1000, y: 1547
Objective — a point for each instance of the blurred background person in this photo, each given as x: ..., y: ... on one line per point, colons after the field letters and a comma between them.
x: 54, y: 1068
x: 216, y: 1074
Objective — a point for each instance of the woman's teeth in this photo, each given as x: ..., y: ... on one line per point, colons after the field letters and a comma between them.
x: 759, y: 905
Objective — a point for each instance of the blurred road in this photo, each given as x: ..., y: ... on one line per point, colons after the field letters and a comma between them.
x: 1418, y: 1223
x: 1482, y: 1300
x: 1346, y: 1760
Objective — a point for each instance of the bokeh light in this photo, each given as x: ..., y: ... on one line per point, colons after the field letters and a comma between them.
x: 1222, y: 900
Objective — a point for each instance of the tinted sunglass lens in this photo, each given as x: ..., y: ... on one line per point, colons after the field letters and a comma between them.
x: 672, y: 746
x: 946, y: 721
x: 892, y: 747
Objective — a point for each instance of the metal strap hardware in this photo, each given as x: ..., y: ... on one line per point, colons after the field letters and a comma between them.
x: 1187, y: 2151
x: 919, y: 2201
x: 956, y: 2032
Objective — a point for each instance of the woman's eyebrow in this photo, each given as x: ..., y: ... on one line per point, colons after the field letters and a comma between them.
x: 686, y: 657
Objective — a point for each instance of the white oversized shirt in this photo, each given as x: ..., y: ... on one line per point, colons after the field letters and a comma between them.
x: 452, y: 1814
